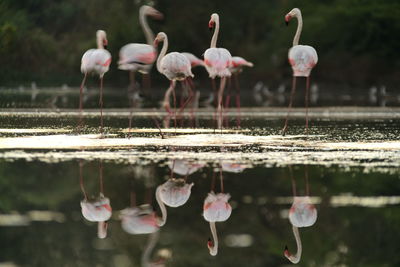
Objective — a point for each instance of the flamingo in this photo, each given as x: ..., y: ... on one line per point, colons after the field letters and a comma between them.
x: 139, y: 57
x: 184, y: 167
x: 217, y: 62
x: 216, y: 209
x: 233, y: 167
x: 194, y: 61
x: 302, y: 58
x: 174, y: 193
x: 96, y: 210
x: 302, y: 213
x: 95, y: 61
x: 175, y: 66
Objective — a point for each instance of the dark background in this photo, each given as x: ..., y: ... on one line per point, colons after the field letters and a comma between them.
x: 357, y: 40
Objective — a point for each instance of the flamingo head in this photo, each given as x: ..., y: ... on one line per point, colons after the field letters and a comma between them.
x: 213, y: 20
x: 293, y: 13
x: 101, y: 35
x: 151, y: 11
x: 161, y: 36
x: 286, y: 252
x: 211, y: 247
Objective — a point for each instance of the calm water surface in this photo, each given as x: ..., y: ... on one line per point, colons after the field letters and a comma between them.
x: 351, y: 194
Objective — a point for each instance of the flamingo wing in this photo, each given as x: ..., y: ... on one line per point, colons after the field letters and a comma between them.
x: 302, y: 58
x: 96, y: 61
x: 176, y: 66
x: 137, y: 57
x: 217, y: 62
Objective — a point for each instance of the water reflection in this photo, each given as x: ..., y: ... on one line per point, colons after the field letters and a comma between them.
x: 216, y: 209
x: 301, y: 214
x: 97, y: 209
x: 175, y: 192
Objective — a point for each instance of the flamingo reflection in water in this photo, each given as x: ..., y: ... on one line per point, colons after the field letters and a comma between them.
x: 176, y: 191
x: 233, y: 167
x: 142, y: 219
x: 216, y: 209
x: 98, y: 209
x: 301, y: 214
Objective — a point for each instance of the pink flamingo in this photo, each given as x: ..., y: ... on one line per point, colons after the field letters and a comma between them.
x: 174, y: 193
x: 174, y: 66
x: 217, y: 62
x: 139, y: 57
x: 216, y: 209
x: 95, y: 61
x: 184, y: 167
x: 302, y: 58
x: 302, y: 213
x: 96, y: 210
x: 194, y: 61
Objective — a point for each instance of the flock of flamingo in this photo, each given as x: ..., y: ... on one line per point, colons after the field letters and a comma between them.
x: 174, y: 193
x: 175, y: 66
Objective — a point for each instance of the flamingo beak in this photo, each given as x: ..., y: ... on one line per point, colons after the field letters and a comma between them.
x: 158, y: 15
x: 155, y: 42
x: 105, y: 44
x: 211, y: 25
x: 210, y: 243
x: 286, y: 252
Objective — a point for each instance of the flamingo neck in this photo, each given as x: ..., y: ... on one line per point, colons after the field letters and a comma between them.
x: 162, y: 53
x: 145, y: 26
x: 161, y: 204
x: 151, y: 243
x: 214, y: 249
x: 99, y: 40
x: 296, y: 257
x: 299, y: 28
x: 215, y: 35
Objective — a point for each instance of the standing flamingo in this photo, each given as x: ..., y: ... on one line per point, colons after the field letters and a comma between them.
x: 174, y: 65
x: 95, y: 61
x: 217, y: 62
x: 302, y: 213
x: 139, y: 57
x: 96, y: 210
x: 302, y: 58
x: 216, y: 209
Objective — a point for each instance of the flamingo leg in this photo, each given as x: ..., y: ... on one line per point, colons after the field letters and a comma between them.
x: 81, y: 179
x: 131, y: 95
x: 221, y: 177
x: 237, y: 85
x: 220, y: 97
x: 190, y: 97
x: 307, y: 96
x: 80, y: 122
x: 290, y: 105
x: 228, y: 100
x: 101, y: 105
x: 101, y: 177
x: 174, y: 97
x: 167, y: 95
x: 293, y: 181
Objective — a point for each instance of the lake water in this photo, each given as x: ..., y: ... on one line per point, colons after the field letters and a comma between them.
x: 346, y: 170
